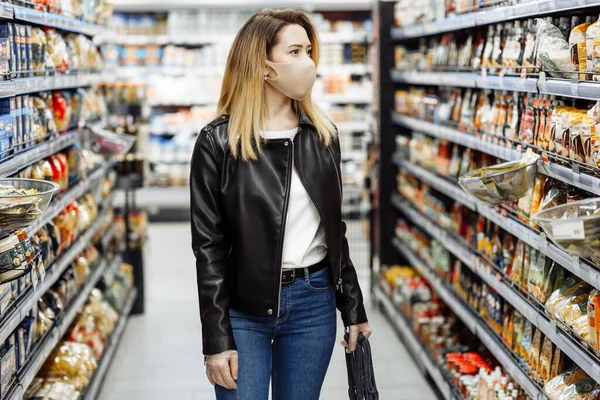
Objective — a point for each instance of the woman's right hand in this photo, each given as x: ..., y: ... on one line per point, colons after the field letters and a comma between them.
x: 222, y: 369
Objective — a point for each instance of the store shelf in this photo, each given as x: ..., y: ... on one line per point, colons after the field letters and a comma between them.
x: 9, y: 12
x: 58, y: 204
x: 490, y: 16
x: 212, y: 38
x: 181, y: 103
x: 472, y: 321
x: 570, y: 176
x: 440, y: 184
x: 91, y: 392
x: 111, y: 271
x: 549, y: 86
x: 352, y: 126
x: 159, y: 197
x: 155, y: 5
x: 466, y: 80
x: 343, y: 98
x: 143, y: 72
x: 37, y: 153
x: 53, y: 273
x: 580, y: 267
x: 352, y: 69
x: 403, y: 327
x: 575, y: 351
x: 58, y: 330
x: 34, y: 84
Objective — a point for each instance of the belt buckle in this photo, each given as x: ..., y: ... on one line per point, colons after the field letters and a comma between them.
x: 292, y: 277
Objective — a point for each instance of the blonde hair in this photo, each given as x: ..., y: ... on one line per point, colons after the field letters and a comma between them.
x: 242, y: 94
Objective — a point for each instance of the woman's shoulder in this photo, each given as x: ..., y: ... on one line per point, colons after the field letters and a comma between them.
x: 216, y: 132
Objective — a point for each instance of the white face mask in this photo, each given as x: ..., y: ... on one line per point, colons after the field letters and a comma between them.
x: 296, y: 79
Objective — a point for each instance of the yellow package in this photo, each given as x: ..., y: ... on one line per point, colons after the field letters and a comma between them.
x: 577, y: 43
x: 545, y: 365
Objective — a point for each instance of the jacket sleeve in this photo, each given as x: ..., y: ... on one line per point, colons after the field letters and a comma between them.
x: 211, y: 244
x: 349, y: 298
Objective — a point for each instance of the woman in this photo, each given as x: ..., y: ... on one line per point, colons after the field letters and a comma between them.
x: 271, y: 254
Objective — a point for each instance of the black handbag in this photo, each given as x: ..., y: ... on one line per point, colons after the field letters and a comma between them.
x: 361, y: 376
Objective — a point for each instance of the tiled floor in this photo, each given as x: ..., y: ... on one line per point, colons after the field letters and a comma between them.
x: 160, y: 357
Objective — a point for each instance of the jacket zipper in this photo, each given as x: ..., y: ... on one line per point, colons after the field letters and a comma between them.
x: 339, y: 182
x: 283, y: 224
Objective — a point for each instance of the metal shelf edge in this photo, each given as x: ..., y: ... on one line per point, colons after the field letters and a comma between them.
x: 488, y: 16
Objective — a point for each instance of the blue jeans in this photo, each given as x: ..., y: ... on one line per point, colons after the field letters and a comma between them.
x: 293, y: 349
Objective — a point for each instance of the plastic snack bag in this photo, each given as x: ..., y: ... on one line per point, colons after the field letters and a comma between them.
x: 593, y: 49
x: 553, y: 50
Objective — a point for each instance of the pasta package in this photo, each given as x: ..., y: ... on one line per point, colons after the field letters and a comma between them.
x: 577, y: 43
x: 580, y: 139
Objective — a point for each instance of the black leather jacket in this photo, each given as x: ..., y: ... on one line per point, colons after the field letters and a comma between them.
x: 238, y: 214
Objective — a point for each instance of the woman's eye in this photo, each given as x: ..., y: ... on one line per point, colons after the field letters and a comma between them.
x: 295, y: 52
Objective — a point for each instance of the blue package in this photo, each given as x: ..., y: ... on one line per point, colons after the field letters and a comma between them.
x: 28, y: 48
x: 20, y: 354
x: 27, y: 326
x: 14, y: 62
x: 27, y: 109
x: 7, y: 365
x: 6, y: 128
x: 23, y: 67
x: 18, y: 121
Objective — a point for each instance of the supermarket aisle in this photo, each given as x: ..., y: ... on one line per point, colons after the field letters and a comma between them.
x: 160, y: 357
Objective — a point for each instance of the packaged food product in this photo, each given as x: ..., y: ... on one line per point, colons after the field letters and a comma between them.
x: 536, y: 275
x: 57, y: 50
x: 62, y: 110
x: 543, y: 372
x: 580, y: 139
x: 529, y: 51
x: 536, y: 197
x: 557, y: 385
x: 527, y: 340
x: 527, y: 258
x: 593, y: 310
x: 577, y: 42
x: 517, y: 264
x: 553, y: 49
x: 571, y: 286
x: 593, y: 49
x: 558, y: 363
x: 534, y: 352
x: 38, y: 51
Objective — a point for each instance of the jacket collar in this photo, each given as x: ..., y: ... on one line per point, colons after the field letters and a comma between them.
x: 304, y: 120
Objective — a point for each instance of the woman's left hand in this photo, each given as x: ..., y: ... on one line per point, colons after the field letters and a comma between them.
x: 354, y: 331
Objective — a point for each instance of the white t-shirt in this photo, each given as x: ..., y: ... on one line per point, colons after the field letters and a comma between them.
x: 304, y: 241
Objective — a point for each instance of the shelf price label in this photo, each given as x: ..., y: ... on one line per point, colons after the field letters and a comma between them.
x: 568, y: 229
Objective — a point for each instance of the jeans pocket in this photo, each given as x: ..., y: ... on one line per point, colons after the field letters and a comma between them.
x: 320, y: 281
